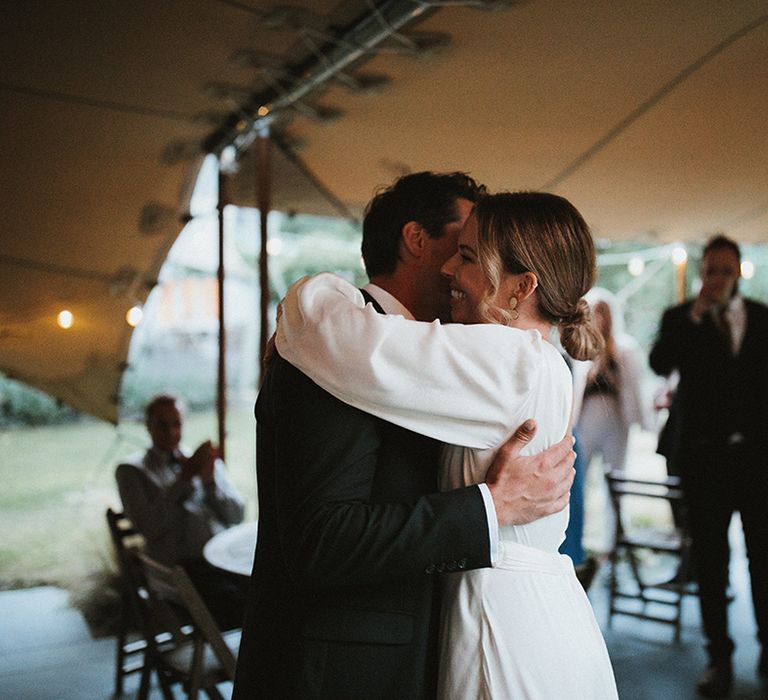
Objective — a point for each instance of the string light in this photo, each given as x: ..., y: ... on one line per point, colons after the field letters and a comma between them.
x: 679, y: 256
x: 134, y: 315
x: 274, y: 245
x: 747, y: 269
x: 636, y: 266
x: 228, y: 158
x: 65, y: 319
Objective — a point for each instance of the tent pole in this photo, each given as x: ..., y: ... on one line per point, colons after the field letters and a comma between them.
x: 264, y: 187
x: 221, y: 383
x: 681, y: 281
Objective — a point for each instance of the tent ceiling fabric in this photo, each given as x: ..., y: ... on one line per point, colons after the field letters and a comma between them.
x: 94, y: 97
x: 103, y: 106
x: 519, y: 95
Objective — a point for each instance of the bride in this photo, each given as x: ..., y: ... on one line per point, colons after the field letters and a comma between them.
x: 524, y: 628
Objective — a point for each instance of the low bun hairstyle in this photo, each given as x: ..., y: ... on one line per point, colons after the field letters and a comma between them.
x: 578, y: 334
x: 544, y: 234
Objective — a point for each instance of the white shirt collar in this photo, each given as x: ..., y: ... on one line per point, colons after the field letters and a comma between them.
x: 736, y: 313
x: 735, y: 305
x: 387, y: 301
x: 161, y: 458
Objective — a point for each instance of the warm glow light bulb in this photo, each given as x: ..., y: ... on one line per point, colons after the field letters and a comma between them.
x: 227, y: 158
x: 65, y: 319
x: 679, y: 256
x: 636, y: 266
x: 747, y: 269
x: 274, y: 245
x: 134, y: 316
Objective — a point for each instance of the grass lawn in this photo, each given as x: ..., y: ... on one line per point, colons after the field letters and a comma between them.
x: 59, y: 480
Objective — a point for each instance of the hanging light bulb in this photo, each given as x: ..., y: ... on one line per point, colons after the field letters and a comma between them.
x: 65, y: 319
x: 679, y: 256
x: 636, y: 266
x: 274, y: 245
x: 747, y: 269
x: 134, y: 315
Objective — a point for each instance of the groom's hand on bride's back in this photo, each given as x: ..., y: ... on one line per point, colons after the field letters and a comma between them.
x: 525, y: 489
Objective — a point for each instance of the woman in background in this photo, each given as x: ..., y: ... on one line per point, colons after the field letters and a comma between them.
x: 608, y: 400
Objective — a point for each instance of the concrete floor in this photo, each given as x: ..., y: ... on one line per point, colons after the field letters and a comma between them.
x: 47, y: 653
x: 648, y: 665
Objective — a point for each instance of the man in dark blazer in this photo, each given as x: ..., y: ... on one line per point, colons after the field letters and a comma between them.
x: 343, y: 600
x: 719, y: 344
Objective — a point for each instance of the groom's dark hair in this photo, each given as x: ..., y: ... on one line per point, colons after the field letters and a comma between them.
x: 427, y: 198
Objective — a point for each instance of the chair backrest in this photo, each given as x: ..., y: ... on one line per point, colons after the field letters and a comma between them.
x: 127, y: 541
x: 171, y: 589
x: 619, y: 484
x: 670, y: 490
x: 124, y: 535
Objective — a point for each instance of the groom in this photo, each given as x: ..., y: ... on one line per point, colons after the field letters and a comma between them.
x: 343, y: 600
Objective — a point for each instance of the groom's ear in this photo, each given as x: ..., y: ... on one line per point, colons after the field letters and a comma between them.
x: 414, y: 238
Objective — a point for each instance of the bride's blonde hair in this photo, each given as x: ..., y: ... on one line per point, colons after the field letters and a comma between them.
x: 544, y: 234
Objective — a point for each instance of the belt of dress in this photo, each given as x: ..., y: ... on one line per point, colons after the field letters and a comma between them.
x: 519, y: 557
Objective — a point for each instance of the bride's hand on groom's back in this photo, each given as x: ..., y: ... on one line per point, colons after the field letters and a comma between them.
x: 525, y: 489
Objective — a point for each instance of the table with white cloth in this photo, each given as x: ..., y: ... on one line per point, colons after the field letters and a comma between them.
x: 233, y: 549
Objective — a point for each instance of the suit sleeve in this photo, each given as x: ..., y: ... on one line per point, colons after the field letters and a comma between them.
x: 465, y: 385
x: 324, y: 454
x: 670, y: 346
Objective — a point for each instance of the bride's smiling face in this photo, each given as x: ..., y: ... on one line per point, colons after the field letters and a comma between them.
x: 469, y: 285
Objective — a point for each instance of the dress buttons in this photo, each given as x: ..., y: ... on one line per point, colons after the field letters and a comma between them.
x: 452, y: 566
x: 462, y: 563
x: 430, y: 569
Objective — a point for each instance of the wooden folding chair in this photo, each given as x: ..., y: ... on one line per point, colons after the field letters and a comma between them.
x: 131, y: 644
x: 650, y: 597
x: 198, y: 661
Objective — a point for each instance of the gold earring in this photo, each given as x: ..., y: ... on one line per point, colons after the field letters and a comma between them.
x: 513, y: 307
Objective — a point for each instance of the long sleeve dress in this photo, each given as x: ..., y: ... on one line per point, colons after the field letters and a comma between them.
x: 524, y: 628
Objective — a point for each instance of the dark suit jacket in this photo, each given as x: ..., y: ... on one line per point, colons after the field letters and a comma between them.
x: 718, y: 394
x: 342, y: 601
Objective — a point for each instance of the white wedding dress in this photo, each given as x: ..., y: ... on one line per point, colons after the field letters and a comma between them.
x: 523, y: 629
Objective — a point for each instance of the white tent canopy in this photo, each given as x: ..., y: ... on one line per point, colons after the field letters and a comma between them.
x: 649, y: 116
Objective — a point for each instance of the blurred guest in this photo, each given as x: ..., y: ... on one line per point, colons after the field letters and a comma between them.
x: 665, y: 400
x: 719, y: 344
x: 573, y: 544
x: 178, y: 500
x: 608, y: 399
